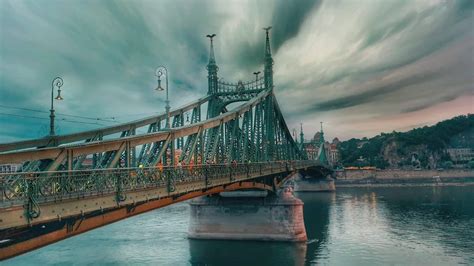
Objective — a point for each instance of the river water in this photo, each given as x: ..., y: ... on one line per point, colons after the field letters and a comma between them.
x: 354, y: 226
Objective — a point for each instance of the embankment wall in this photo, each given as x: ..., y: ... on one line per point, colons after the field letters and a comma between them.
x: 404, y: 174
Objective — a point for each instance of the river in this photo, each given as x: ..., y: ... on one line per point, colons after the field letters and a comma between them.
x: 353, y: 226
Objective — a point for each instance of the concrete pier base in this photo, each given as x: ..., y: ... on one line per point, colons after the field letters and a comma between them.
x: 310, y: 184
x: 244, y: 216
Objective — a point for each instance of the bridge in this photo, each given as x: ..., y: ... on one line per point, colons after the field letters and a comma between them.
x: 56, y: 194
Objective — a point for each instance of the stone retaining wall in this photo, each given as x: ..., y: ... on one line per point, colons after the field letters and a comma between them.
x: 404, y: 174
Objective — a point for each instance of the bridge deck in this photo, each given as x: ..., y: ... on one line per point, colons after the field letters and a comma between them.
x: 56, y: 195
x: 37, y: 209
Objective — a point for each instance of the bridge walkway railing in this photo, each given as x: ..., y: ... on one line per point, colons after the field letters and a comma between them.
x: 17, y: 188
x: 32, y: 198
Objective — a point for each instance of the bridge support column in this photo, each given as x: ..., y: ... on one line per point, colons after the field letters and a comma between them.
x: 248, y: 215
x: 308, y: 183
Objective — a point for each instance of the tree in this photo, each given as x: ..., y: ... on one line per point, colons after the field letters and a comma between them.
x: 470, y: 164
x: 435, y: 138
x: 447, y: 164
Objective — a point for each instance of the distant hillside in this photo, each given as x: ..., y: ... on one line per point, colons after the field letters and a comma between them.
x: 425, y: 145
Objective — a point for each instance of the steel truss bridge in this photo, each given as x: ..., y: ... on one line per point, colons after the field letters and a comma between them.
x: 57, y: 194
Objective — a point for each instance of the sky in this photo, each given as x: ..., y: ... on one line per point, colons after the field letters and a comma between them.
x: 360, y: 66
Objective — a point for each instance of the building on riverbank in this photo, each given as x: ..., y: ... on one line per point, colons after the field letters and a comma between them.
x: 460, y: 156
x: 330, y: 148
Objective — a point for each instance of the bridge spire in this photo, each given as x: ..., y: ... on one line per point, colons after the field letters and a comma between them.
x: 212, y: 68
x: 301, y: 144
x: 322, y: 151
x: 268, y: 51
x: 301, y: 135
x: 268, y: 61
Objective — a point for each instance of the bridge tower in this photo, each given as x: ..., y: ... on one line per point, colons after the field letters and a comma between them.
x: 214, y: 107
x: 212, y: 68
x: 301, y: 136
x: 263, y: 120
x: 268, y: 61
x: 269, y: 105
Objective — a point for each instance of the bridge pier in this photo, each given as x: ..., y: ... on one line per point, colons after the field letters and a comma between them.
x: 308, y: 183
x: 248, y: 215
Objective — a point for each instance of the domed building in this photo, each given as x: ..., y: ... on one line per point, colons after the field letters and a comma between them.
x: 317, y: 136
x: 330, y: 152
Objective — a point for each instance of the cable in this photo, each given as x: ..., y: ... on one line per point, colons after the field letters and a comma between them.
x: 74, y: 121
x: 76, y: 116
x: 62, y: 119
x: 90, y: 118
x: 26, y: 116
x: 105, y: 119
x: 113, y: 117
x: 25, y: 109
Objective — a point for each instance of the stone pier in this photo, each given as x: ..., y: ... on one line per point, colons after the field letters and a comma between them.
x: 304, y: 183
x: 248, y: 215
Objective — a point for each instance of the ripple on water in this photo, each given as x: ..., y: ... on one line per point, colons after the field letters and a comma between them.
x: 396, y: 226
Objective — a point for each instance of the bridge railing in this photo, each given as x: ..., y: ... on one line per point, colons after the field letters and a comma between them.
x: 228, y: 87
x: 35, y: 187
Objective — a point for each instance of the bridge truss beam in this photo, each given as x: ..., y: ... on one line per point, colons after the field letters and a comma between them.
x: 67, y: 203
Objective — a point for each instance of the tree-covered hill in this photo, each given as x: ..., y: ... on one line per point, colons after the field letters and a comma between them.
x: 398, y: 149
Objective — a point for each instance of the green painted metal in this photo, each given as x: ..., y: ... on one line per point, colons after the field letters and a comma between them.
x: 302, y: 142
x: 34, y: 188
x: 148, y: 147
x: 256, y: 134
x: 178, y: 121
x: 32, y: 209
x: 268, y: 61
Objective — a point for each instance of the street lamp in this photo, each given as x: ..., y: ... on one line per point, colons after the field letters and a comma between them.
x: 256, y: 79
x: 256, y: 75
x: 162, y: 71
x: 57, y: 82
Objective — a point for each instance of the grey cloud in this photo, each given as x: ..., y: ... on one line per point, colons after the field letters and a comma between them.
x: 288, y: 16
x: 431, y: 103
x: 286, y: 20
x: 373, y: 93
x: 385, y: 25
x: 107, y: 52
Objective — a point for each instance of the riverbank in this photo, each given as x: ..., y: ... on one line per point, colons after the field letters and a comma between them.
x: 401, y: 178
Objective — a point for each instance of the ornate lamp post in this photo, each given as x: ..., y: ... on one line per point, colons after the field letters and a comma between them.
x: 256, y: 75
x: 162, y: 71
x: 57, y: 82
x: 256, y: 79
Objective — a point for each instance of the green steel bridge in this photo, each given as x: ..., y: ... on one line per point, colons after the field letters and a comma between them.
x: 69, y: 184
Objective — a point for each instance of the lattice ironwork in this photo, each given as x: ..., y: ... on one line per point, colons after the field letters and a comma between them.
x: 39, y: 187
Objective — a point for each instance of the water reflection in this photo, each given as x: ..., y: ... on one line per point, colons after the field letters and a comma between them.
x: 316, y: 219
x: 438, y: 217
x: 362, y: 226
x: 316, y: 214
x: 222, y: 252
x: 416, y: 226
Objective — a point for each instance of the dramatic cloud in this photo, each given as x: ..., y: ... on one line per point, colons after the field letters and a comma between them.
x: 360, y: 66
